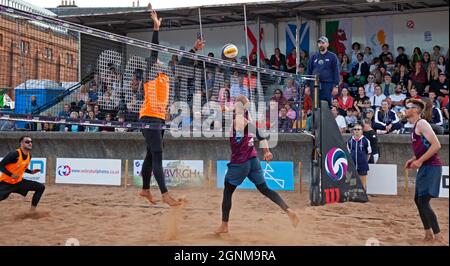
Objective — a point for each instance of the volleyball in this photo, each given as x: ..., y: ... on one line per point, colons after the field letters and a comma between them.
x: 229, y: 51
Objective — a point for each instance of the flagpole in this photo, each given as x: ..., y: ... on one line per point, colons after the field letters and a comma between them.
x: 297, y: 62
x: 203, y: 51
x: 246, y: 34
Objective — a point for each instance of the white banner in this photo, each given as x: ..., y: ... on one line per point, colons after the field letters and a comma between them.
x: 379, y: 31
x: 88, y: 171
x: 443, y: 190
x: 382, y: 179
x: 177, y: 173
x: 36, y: 163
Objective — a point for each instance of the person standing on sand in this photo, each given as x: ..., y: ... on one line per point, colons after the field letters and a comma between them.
x: 425, y: 145
x: 244, y: 163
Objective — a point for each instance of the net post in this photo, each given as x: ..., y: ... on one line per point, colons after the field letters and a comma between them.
x: 300, y: 177
x: 126, y: 174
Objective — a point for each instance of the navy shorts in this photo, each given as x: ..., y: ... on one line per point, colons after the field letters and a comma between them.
x: 362, y: 172
x: 238, y: 172
x: 153, y: 137
x: 428, y: 181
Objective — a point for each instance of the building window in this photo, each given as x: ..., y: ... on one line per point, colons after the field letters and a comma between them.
x: 1, y: 39
x: 24, y: 47
x: 48, y: 53
x: 69, y: 60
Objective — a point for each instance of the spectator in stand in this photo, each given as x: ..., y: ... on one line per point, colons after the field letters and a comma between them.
x: 379, y: 74
x: 351, y: 118
x: 345, y: 66
x: 387, y: 86
x: 345, y: 100
x: 426, y: 60
x: 433, y: 116
x: 385, y: 52
x: 360, y: 151
x: 371, y: 135
x: 290, y: 113
x: 416, y: 56
x: 121, y: 120
x: 303, y: 58
x: 302, y: 69
x: 291, y: 61
x: 108, y: 119
x: 226, y: 103
x: 278, y: 60
x: 375, y: 101
x: 74, y: 128
x: 64, y: 114
x: 237, y: 86
x: 361, y: 102
x: 368, y: 56
x: 279, y: 98
x: 284, y: 123
x: 369, y: 114
x: 436, y: 53
x: 342, y: 84
x: 413, y: 94
x: 397, y: 100
x: 359, y: 72
x: 340, y: 120
x: 445, y: 110
x: 356, y: 49
x: 335, y: 103
x: 91, y: 115
x: 82, y: 114
x: 401, y: 76
x: 419, y: 78
x: 402, y: 58
x: 440, y: 86
x: 390, y: 63
x: 97, y: 112
x: 386, y: 120
x: 290, y: 91
x: 441, y: 64
x: 307, y: 100
x: 375, y: 65
x: 433, y: 98
x: 369, y: 88
x: 93, y: 94
x: 432, y: 74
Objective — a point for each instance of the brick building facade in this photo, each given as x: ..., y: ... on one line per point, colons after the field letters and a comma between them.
x: 32, y: 51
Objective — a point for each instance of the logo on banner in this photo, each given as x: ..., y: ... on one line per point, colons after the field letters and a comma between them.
x: 410, y: 24
x: 336, y: 164
x: 64, y: 170
x: 427, y: 36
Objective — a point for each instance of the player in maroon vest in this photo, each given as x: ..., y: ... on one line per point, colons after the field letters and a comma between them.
x: 244, y: 163
x: 425, y: 145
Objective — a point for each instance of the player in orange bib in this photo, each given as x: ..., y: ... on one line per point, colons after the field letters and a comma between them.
x: 12, y: 169
x: 153, y: 112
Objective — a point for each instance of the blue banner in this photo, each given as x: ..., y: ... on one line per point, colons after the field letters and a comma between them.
x: 304, y: 37
x: 278, y: 175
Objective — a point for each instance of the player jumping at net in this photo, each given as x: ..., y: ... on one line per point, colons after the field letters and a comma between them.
x: 244, y: 163
x: 153, y: 112
x: 425, y: 145
x: 12, y: 169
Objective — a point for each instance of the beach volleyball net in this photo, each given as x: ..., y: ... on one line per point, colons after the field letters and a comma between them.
x: 57, y: 72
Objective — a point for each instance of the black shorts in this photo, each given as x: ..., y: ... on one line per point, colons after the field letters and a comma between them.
x: 22, y: 188
x: 362, y: 172
x: 154, y: 135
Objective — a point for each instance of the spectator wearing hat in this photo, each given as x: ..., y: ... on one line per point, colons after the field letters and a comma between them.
x: 387, y: 86
x: 359, y: 72
x: 325, y: 64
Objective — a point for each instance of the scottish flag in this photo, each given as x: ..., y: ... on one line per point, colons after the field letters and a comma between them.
x: 304, y: 37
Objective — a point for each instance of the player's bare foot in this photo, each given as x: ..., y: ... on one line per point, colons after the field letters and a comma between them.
x: 438, y: 238
x: 223, y: 229
x: 166, y: 198
x: 428, y: 236
x: 146, y: 194
x: 293, y: 217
